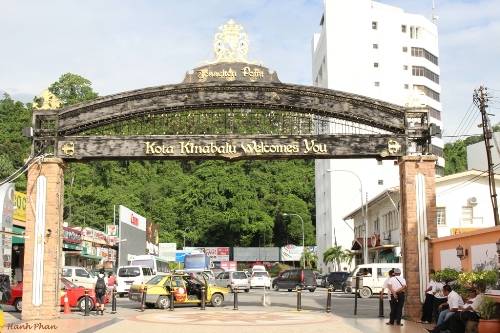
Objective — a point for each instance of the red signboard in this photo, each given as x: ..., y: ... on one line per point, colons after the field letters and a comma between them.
x: 71, y: 235
x: 134, y: 220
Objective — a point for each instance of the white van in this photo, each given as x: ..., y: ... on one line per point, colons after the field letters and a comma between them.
x: 372, y: 277
x: 79, y: 276
x: 129, y: 275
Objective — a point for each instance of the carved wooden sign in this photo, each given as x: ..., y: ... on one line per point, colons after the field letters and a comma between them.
x: 231, y: 147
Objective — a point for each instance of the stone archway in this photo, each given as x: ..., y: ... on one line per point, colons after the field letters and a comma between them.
x: 230, y: 109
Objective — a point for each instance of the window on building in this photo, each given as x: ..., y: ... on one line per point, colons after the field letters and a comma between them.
x: 427, y: 92
x: 467, y: 215
x: 407, y: 86
x: 375, y: 46
x: 379, y: 162
x: 405, y: 67
x: 412, y: 32
x: 375, y: 64
x: 422, y: 71
x: 420, y: 52
x: 403, y: 28
x: 374, y: 25
x: 405, y: 49
x: 381, y: 182
x: 376, y: 83
x: 441, y: 215
x: 376, y: 226
x: 434, y: 113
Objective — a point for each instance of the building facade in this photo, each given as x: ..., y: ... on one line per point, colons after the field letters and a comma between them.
x: 463, y: 205
x: 379, y: 51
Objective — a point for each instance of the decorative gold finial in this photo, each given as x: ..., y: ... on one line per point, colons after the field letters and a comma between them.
x: 231, y: 43
x: 46, y: 100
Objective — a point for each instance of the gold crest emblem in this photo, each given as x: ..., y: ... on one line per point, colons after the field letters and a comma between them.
x: 393, y: 147
x: 68, y: 148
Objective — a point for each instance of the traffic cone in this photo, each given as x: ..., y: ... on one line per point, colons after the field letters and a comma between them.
x: 67, y: 310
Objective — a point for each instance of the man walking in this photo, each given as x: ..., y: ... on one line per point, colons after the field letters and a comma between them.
x: 385, y: 286
x: 397, y: 286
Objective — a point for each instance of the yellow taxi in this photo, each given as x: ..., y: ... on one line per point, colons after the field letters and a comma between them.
x: 186, y: 289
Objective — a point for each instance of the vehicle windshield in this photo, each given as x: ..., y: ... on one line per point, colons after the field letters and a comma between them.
x: 129, y: 272
x: 260, y: 274
x: 155, y: 280
x: 239, y: 275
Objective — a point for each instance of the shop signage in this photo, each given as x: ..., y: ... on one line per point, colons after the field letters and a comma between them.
x: 217, y: 253
x: 20, y: 206
x: 112, y: 230
x: 294, y: 253
x: 167, y: 251
x: 72, y: 236
x: 228, y: 266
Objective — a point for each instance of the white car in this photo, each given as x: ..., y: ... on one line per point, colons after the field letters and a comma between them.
x: 260, y: 279
x: 233, y: 280
x: 129, y: 275
x: 79, y: 276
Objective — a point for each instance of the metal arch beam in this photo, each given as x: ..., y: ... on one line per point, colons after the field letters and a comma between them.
x: 293, y: 98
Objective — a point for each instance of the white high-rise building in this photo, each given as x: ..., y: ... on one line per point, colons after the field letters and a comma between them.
x: 376, y: 50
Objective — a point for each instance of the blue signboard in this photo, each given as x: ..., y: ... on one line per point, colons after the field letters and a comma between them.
x: 179, y: 256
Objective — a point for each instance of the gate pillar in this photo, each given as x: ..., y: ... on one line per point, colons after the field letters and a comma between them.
x: 418, y: 226
x: 43, y: 245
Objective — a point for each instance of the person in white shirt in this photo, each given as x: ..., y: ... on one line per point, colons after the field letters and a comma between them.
x: 439, y: 298
x: 397, y: 286
x: 384, y: 287
x: 428, y: 305
x: 455, y: 303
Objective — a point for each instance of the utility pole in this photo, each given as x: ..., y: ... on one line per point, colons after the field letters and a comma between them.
x: 481, y: 100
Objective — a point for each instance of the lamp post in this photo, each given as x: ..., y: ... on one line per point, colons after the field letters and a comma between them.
x: 303, y: 242
x: 363, y: 213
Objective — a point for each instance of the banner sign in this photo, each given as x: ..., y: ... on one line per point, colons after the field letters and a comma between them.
x: 228, y: 266
x: 217, y: 253
x: 292, y: 252
x: 132, y: 218
x: 167, y: 251
x: 7, y: 210
x: 73, y: 236
x: 20, y: 206
x: 179, y: 256
x: 112, y: 230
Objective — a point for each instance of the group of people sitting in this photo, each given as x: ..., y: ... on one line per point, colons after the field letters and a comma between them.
x: 448, y: 307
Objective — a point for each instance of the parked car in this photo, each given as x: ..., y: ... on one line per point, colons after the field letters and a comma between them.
x: 185, y: 287
x: 260, y: 279
x: 129, y: 275
x: 293, y: 278
x: 337, y: 280
x: 76, y: 296
x: 79, y: 276
x: 233, y: 280
x: 371, y: 278
x: 319, y: 279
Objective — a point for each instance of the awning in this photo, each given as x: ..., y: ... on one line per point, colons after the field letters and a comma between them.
x: 17, y: 240
x: 70, y: 246
x: 91, y: 257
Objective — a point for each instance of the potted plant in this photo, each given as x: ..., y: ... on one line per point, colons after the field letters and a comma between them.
x: 490, y: 316
x: 481, y: 279
x: 446, y: 275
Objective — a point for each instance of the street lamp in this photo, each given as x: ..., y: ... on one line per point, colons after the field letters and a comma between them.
x: 303, y: 246
x: 363, y: 213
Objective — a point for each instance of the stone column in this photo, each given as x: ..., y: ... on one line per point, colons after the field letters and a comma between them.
x: 43, y: 246
x: 418, y: 205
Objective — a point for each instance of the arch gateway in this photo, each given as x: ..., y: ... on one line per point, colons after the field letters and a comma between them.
x: 230, y: 109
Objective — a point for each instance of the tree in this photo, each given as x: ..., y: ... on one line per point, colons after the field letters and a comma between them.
x: 72, y: 89
x: 309, y: 259
x: 333, y: 255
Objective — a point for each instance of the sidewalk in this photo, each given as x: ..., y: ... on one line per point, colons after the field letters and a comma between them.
x: 189, y: 320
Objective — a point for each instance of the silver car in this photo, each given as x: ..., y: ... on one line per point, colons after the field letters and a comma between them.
x: 233, y: 280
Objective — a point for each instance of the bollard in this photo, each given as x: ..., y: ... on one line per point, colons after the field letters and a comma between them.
x: 143, y: 300
x: 113, y: 301
x: 329, y: 300
x: 381, y: 306
x: 299, y: 299
x: 356, y: 296
x: 172, y: 299
x: 235, y: 305
x: 86, y: 313
x: 202, y: 298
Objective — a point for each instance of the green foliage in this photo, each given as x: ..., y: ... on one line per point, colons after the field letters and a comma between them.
x: 478, y: 279
x: 488, y: 308
x: 446, y: 275
x: 277, y: 268
x: 309, y: 259
x: 336, y: 255
x: 72, y: 89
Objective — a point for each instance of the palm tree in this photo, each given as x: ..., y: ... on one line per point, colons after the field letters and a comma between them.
x: 309, y: 259
x: 347, y: 256
x: 334, y: 255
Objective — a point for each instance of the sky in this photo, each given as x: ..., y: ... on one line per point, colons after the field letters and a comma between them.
x: 122, y: 45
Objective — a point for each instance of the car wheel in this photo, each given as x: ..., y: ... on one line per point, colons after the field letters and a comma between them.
x: 365, y: 292
x: 18, y: 304
x: 150, y: 305
x: 312, y: 290
x: 247, y: 290
x: 217, y: 300
x: 289, y: 289
x: 81, y: 304
x: 276, y: 288
x: 121, y: 295
x: 163, y: 302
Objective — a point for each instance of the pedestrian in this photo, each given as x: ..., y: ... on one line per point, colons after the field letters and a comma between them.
x: 100, y: 292
x: 384, y: 287
x: 397, y: 285
x: 428, y: 306
x: 111, y: 283
x: 439, y: 298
